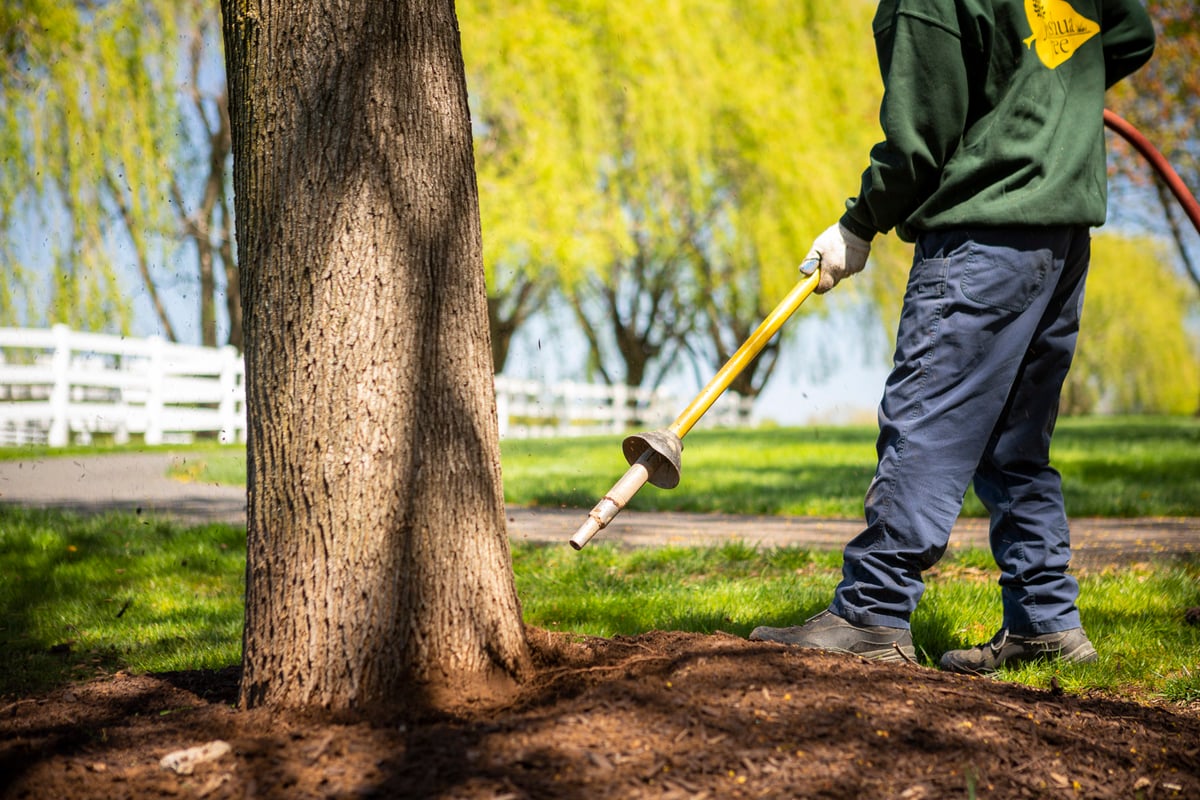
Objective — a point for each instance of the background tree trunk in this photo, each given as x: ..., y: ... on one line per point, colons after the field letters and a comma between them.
x: 378, y: 568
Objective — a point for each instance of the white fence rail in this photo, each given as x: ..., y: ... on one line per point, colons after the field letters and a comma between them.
x: 59, y: 386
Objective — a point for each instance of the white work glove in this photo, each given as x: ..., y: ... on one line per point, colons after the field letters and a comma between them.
x: 839, y: 254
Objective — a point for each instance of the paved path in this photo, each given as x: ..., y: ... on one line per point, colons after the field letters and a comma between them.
x: 138, y: 483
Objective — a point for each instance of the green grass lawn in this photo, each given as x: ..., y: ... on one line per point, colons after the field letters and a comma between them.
x: 1111, y: 467
x: 1134, y: 615
x: 87, y: 594
x: 82, y: 596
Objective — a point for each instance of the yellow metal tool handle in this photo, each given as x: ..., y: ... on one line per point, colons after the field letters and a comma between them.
x: 745, y: 354
x: 650, y: 460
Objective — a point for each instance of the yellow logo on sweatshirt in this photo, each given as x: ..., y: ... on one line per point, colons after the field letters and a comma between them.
x: 1058, y: 30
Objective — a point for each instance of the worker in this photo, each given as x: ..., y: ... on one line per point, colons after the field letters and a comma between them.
x: 993, y: 164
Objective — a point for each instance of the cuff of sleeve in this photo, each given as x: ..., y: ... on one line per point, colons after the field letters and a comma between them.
x: 864, y: 232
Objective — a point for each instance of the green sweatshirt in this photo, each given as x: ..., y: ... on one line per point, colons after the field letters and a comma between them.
x: 993, y: 112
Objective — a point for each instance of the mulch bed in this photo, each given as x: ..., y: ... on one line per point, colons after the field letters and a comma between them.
x: 662, y: 715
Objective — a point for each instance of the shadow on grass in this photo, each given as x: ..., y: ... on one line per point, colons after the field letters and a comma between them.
x: 79, y: 594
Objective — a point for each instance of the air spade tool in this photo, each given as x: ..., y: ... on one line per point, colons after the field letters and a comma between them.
x: 654, y: 456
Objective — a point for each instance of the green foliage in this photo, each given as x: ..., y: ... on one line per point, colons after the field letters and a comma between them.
x: 688, y: 151
x: 93, y: 172
x: 1134, y: 353
x: 88, y: 130
x: 1163, y: 98
x: 532, y: 94
x: 533, y: 105
x: 1162, y: 101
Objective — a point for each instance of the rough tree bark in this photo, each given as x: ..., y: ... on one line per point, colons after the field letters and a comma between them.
x: 378, y: 568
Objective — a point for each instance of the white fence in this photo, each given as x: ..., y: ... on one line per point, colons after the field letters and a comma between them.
x: 59, y: 385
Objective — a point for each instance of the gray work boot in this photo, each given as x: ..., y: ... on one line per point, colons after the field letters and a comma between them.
x: 1007, y: 649
x: 828, y: 631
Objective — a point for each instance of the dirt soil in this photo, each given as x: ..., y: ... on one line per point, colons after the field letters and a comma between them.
x: 660, y: 715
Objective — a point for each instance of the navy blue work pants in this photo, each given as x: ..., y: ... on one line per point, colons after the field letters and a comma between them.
x: 986, y: 337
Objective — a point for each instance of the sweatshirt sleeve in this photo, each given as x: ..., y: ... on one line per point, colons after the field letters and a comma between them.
x: 1128, y: 37
x: 923, y: 114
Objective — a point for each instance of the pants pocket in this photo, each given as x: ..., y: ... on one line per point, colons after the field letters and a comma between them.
x: 1004, y: 277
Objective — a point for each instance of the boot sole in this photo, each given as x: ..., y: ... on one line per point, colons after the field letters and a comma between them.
x: 889, y: 654
x: 1084, y: 654
x: 881, y: 652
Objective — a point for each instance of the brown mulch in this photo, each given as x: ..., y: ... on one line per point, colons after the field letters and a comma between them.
x: 662, y: 715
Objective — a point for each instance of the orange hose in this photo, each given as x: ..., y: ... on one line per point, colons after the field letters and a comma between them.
x: 1140, y: 143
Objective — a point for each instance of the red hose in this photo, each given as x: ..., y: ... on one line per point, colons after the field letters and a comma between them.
x: 1156, y: 159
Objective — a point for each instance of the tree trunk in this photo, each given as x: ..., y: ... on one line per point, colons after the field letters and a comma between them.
x: 378, y: 569
x: 208, y: 293
x: 638, y: 308
x: 233, y: 292
x: 509, y: 310
x: 730, y: 326
x: 138, y: 240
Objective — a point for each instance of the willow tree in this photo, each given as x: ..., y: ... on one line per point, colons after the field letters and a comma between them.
x: 671, y: 162
x: 792, y: 114
x: 1163, y: 101
x: 378, y: 569
x: 114, y: 150
x: 1124, y: 322
x: 80, y: 147
x: 536, y: 131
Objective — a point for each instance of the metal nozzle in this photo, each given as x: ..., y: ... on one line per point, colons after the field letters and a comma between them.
x: 622, y: 491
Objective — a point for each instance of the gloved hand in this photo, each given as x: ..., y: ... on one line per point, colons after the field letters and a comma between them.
x: 839, y: 254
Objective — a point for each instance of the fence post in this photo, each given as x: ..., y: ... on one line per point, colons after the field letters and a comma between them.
x: 227, y: 408
x: 502, y: 404
x: 620, y: 407
x: 59, y: 434
x: 154, y: 397
x: 561, y: 407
